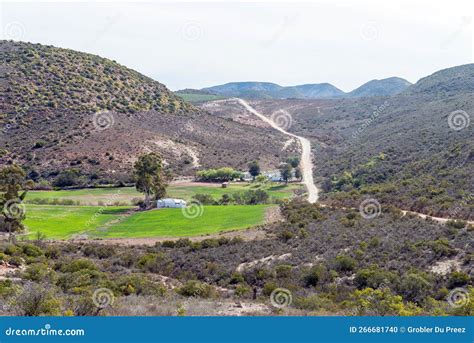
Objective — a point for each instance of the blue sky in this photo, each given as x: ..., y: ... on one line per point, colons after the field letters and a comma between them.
x: 197, y: 44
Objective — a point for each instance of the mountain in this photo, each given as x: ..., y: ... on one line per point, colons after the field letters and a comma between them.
x: 384, y: 87
x: 311, y: 91
x: 449, y: 81
x: 413, y: 150
x: 267, y: 90
x: 259, y: 90
x: 62, y: 109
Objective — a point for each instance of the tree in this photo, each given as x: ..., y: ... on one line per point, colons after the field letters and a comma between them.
x: 149, y: 177
x: 13, y: 189
x: 298, y: 173
x: 261, y: 179
x: 285, y: 171
x: 293, y: 161
x: 254, y: 169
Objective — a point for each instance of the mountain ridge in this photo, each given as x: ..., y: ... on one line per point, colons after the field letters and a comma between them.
x: 269, y: 90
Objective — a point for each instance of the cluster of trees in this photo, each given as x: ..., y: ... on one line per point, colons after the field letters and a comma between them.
x: 287, y: 169
x: 13, y: 189
x: 290, y: 168
x: 249, y: 197
x: 219, y: 175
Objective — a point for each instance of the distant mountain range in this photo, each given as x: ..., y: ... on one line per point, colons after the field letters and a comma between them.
x: 268, y: 90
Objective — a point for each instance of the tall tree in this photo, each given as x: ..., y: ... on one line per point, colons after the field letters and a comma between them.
x: 254, y: 169
x: 298, y: 173
x: 285, y: 171
x: 13, y: 189
x: 150, y: 178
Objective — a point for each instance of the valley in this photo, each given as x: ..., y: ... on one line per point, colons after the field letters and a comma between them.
x: 219, y: 196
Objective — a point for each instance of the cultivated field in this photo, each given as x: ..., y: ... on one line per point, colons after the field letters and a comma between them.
x: 65, y: 222
x: 126, y: 195
x: 108, y: 212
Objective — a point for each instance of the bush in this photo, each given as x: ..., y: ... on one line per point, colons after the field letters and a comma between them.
x: 345, y: 263
x: 457, y: 279
x: 77, y: 265
x: 36, y: 272
x: 36, y: 300
x: 31, y: 250
x: 318, y: 274
x: 194, y: 288
x: 67, y: 178
x: 374, y: 278
x: 415, y: 286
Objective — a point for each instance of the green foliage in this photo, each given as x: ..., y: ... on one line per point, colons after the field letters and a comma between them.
x: 149, y: 177
x: 68, y: 178
x: 79, y: 264
x: 36, y: 300
x: 293, y: 161
x: 194, y: 288
x: 458, y: 279
x: 254, y: 168
x: 317, y: 275
x: 375, y: 277
x: 13, y: 189
x: 218, y: 175
x: 415, y: 286
x: 285, y: 171
x: 381, y: 302
x: 45, y: 77
x: 345, y: 263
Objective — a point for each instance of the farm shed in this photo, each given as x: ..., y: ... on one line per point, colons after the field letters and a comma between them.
x: 170, y: 203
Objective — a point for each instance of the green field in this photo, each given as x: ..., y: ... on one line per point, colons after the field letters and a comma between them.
x: 125, y: 195
x: 62, y: 222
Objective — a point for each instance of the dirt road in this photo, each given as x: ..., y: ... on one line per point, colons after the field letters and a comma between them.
x: 306, y: 161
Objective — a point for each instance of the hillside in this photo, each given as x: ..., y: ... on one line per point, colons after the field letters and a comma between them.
x: 451, y: 81
x: 414, y: 150
x: 63, y: 109
x: 384, y: 87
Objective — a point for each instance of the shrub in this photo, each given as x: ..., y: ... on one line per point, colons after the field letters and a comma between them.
x: 415, y: 286
x: 194, y: 288
x: 316, y: 275
x: 36, y: 272
x: 345, y: 263
x: 36, y: 300
x: 457, y: 279
x: 77, y: 265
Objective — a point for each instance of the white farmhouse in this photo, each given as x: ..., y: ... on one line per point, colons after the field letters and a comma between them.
x: 170, y: 203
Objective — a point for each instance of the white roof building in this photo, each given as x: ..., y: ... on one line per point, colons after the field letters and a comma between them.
x: 170, y: 203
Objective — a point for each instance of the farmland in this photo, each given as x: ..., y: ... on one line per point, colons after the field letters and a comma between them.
x: 126, y: 195
x: 64, y: 222
x: 108, y: 212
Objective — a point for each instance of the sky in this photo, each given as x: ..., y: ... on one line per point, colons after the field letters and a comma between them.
x: 198, y: 44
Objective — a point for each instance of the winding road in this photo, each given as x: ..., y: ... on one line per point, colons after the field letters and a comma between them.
x: 306, y: 163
